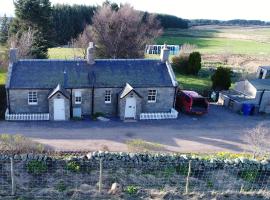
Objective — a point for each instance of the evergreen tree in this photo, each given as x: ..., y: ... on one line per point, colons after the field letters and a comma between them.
x: 4, y: 30
x: 194, y: 63
x: 37, y: 15
x: 221, y: 79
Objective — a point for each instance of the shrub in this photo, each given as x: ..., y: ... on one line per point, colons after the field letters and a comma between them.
x: 249, y: 175
x: 131, y: 189
x: 20, y: 144
x: 221, y: 79
x: 36, y: 167
x: 97, y: 114
x: 73, y: 166
x: 61, y: 186
x: 182, y: 170
x: 180, y: 64
x: 194, y: 63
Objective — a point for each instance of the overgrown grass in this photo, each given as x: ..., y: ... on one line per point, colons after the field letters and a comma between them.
x: 138, y: 145
x: 235, y: 40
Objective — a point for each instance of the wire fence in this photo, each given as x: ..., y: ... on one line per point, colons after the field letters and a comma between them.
x: 66, y: 179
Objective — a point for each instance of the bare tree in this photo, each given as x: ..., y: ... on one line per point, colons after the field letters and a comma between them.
x: 187, y: 49
x: 123, y: 33
x: 257, y: 140
x: 23, y: 42
x: 81, y: 43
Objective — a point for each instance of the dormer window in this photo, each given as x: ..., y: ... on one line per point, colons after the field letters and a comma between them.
x: 78, y: 97
x: 32, y: 98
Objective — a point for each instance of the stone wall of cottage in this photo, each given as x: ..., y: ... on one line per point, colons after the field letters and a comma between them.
x: 18, y: 100
x: 86, y: 105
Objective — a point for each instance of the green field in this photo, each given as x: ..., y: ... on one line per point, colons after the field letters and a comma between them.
x: 65, y: 53
x: 217, y: 40
x: 193, y: 82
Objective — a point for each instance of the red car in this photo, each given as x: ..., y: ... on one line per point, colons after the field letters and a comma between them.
x: 191, y: 102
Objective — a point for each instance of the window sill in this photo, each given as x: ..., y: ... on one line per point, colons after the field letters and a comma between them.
x: 32, y: 104
x: 108, y: 102
x: 151, y: 101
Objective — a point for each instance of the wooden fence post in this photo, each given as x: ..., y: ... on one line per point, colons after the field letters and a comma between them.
x: 100, y: 175
x: 188, y: 175
x: 13, y: 186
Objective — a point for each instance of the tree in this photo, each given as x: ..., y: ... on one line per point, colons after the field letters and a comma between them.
x: 221, y: 79
x: 4, y: 27
x: 123, y: 33
x: 194, y: 63
x: 37, y: 15
x: 70, y: 21
x: 82, y: 42
x: 24, y: 43
x: 257, y: 140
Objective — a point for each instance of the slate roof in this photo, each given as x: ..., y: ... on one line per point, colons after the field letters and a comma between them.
x: 261, y: 84
x: 265, y: 67
x: 39, y: 74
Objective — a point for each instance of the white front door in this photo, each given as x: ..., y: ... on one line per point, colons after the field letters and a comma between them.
x: 59, y: 109
x: 130, y: 110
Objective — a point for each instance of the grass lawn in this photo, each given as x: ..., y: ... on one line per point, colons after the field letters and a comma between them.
x: 235, y: 40
x: 196, y: 83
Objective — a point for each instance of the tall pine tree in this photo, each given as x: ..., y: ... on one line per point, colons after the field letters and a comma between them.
x: 36, y: 14
x: 4, y: 30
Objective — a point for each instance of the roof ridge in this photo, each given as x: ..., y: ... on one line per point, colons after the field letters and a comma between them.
x: 76, y: 60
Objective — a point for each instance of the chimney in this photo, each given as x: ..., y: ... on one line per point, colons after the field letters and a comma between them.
x: 90, y: 54
x: 13, y: 55
x: 165, y: 53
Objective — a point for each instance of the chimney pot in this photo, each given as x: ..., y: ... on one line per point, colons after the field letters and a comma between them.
x: 13, y: 58
x: 90, y: 53
x: 165, y: 53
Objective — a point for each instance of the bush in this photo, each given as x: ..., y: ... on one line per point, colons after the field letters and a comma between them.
x: 36, y: 167
x: 221, y: 79
x: 194, y: 63
x: 73, y: 166
x: 61, y: 186
x: 187, y: 63
x: 180, y: 64
x: 131, y: 189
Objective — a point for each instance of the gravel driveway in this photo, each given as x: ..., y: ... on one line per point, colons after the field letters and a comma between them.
x: 220, y: 130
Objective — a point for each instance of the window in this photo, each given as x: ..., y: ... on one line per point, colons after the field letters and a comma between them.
x: 152, y: 96
x: 108, y: 96
x: 32, y: 98
x: 78, y: 97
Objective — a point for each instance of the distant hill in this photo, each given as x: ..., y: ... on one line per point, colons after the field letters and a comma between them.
x: 234, y: 22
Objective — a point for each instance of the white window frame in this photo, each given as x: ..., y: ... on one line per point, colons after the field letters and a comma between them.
x: 108, y: 96
x: 78, y: 97
x: 152, y: 96
x: 32, y: 98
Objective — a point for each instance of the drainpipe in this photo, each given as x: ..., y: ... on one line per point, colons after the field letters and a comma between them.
x: 93, y: 95
x: 261, y: 99
x: 8, y: 102
x: 71, y: 105
x: 117, y: 103
x: 175, y: 93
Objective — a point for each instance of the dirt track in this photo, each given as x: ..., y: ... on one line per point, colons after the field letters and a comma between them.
x: 220, y: 130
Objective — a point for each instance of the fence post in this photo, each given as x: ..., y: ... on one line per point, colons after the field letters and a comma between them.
x: 188, y: 175
x: 13, y: 186
x: 100, y: 174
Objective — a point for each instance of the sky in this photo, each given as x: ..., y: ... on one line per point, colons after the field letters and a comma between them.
x: 188, y: 9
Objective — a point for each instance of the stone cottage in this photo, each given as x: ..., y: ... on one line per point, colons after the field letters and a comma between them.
x: 63, y: 89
